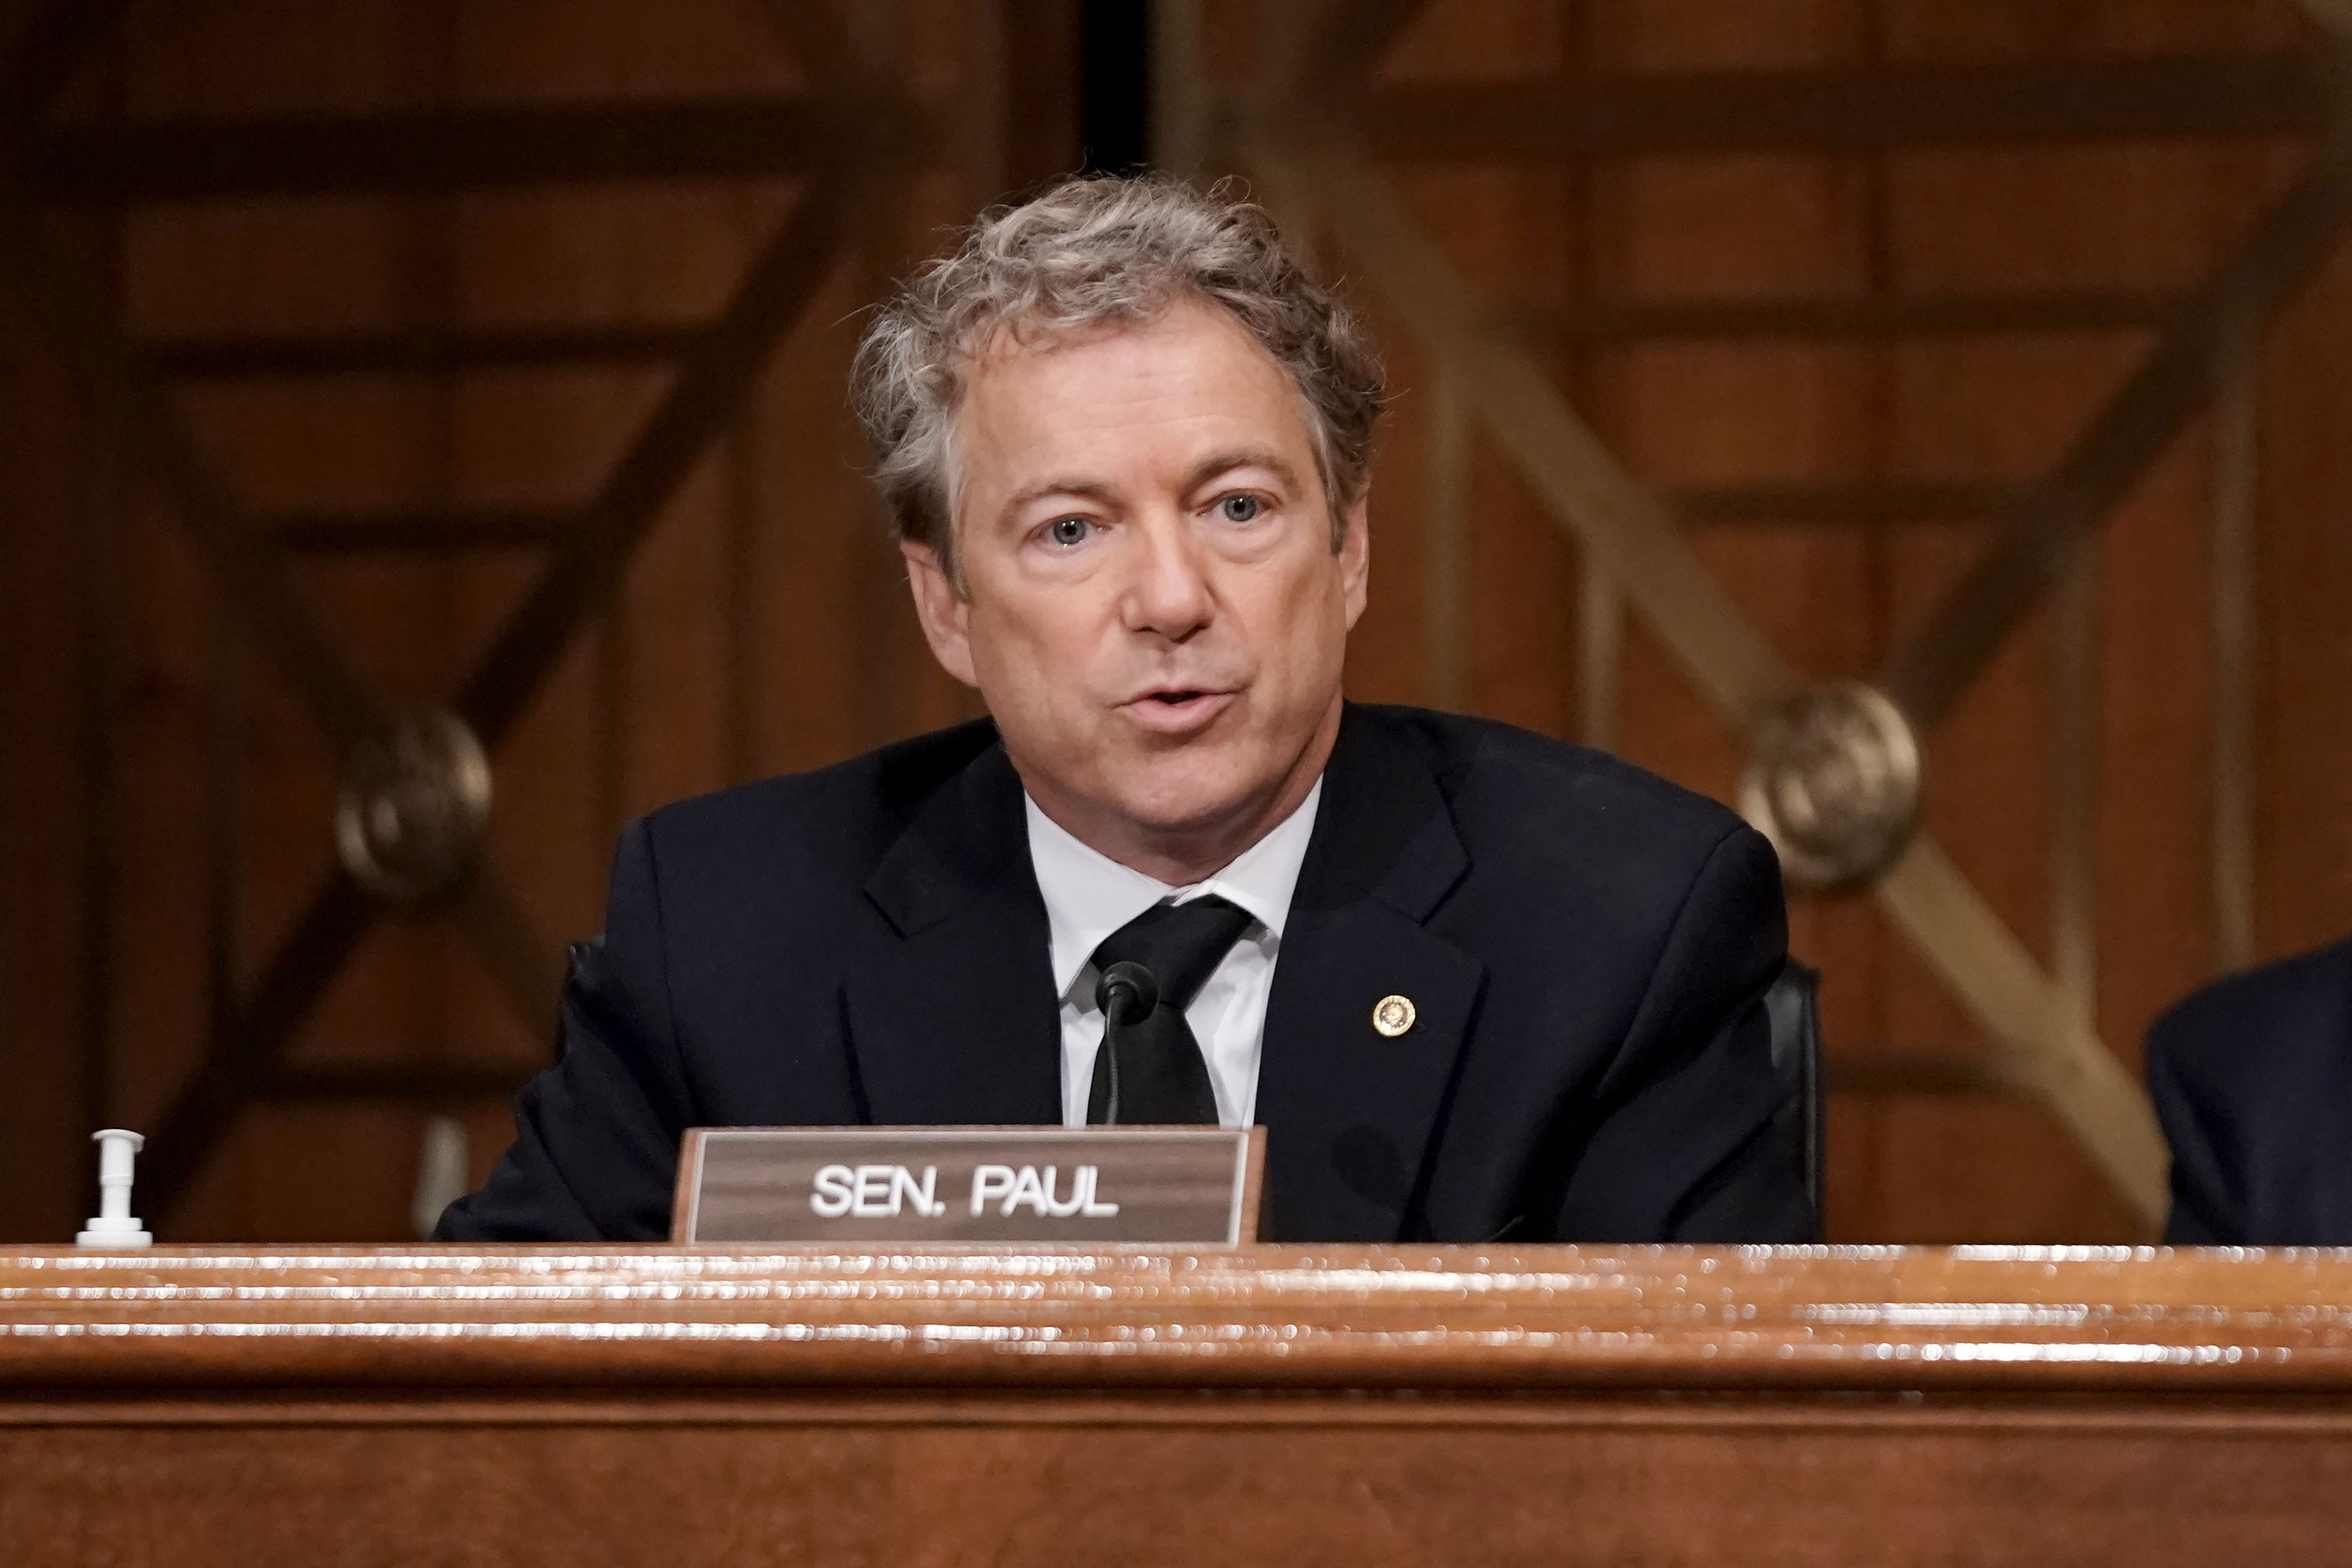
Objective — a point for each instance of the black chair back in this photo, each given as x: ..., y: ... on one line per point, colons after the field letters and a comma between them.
x: 1790, y: 1006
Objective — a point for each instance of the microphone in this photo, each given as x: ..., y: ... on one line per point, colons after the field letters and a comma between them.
x: 1126, y: 994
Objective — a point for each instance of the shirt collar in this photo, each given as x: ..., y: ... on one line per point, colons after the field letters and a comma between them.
x: 1088, y: 895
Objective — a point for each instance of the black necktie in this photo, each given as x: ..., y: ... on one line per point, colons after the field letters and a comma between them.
x: 1160, y: 1075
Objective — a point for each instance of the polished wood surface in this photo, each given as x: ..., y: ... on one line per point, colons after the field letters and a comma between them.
x: 2146, y: 1320
x: 1269, y: 1405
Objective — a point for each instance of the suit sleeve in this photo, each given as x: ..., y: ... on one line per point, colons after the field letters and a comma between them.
x: 1684, y: 1148
x: 2207, y: 1207
x: 596, y: 1135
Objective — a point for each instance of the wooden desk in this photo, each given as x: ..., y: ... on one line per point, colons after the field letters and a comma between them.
x: 1276, y: 1405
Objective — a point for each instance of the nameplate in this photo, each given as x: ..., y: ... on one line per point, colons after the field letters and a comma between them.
x: 1192, y: 1186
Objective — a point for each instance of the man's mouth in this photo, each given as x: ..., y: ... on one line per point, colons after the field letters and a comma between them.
x: 1176, y: 710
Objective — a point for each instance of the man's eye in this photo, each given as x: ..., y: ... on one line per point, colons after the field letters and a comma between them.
x: 1067, y: 530
x: 1239, y: 508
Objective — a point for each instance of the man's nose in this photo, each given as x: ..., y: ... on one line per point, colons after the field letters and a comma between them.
x: 1168, y: 592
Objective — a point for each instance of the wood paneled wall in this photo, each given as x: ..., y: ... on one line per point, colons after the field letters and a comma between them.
x: 761, y: 626
x: 1837, y: 597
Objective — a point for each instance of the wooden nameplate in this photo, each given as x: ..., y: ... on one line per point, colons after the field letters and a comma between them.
x: 893, y: 1186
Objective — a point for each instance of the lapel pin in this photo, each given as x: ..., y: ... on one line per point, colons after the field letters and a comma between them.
x: 1393, y: 1015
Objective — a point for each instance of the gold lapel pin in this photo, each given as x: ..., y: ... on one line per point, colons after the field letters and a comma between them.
x: 1393, y: 1015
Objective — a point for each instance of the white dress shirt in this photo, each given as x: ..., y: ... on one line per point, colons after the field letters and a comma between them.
x: 1088, y: 895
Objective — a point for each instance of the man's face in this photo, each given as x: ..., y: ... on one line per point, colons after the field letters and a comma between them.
x: 1151, y: 607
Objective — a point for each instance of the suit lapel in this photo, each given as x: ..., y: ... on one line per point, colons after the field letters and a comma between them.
x: 1350, y: 1111
x: 958, y: 1021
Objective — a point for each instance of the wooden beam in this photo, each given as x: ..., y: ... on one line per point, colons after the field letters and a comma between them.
x: 708, y: 388
x: 978, y: 138
x: 106, y: 656
x: 1882, y: 501
x: 56, y: 301
x: 394, y: 1080
x: 819, y: 39
x: 1631, y: 534
x: 2237, y: 656
x: 2047, y: 1045
x: 247, y: 1047
x: 1802, y: 318
x: 404, y: 529
x: 1600, y: 659
x: 1346, y: 44
x: 251, y: 1043
x: 46, y: 51
x: 2041, y: 532
x: 2076, y: 703
x: 425, y: 351
x: 1182, y: 106
x: 246, y: 1039
x: 1447, y: 475
x: 505, y: 939
x: 1861, y: 109
x: 1878, y: 1074
x: 2333, y: 17
x: 452, y: 150
x: 892, y: 656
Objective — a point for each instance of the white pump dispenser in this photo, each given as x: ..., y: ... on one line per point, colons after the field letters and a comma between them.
x: 114, y: 1225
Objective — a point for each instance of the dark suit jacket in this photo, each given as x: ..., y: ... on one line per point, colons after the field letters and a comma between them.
x: 2252, y: 1080
x: 1586, y: 946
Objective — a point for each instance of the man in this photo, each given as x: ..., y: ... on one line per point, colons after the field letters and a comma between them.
x: 1475, y: 984
x: 2252, y: 1082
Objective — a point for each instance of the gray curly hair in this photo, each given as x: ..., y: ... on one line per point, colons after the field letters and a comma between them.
x: 1086, y: 253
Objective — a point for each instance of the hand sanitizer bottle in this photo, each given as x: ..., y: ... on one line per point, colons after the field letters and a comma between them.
x: 114, y: 1225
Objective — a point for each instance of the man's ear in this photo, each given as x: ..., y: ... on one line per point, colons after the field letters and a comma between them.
x: 1356, y: 558
x: 945, y: 613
